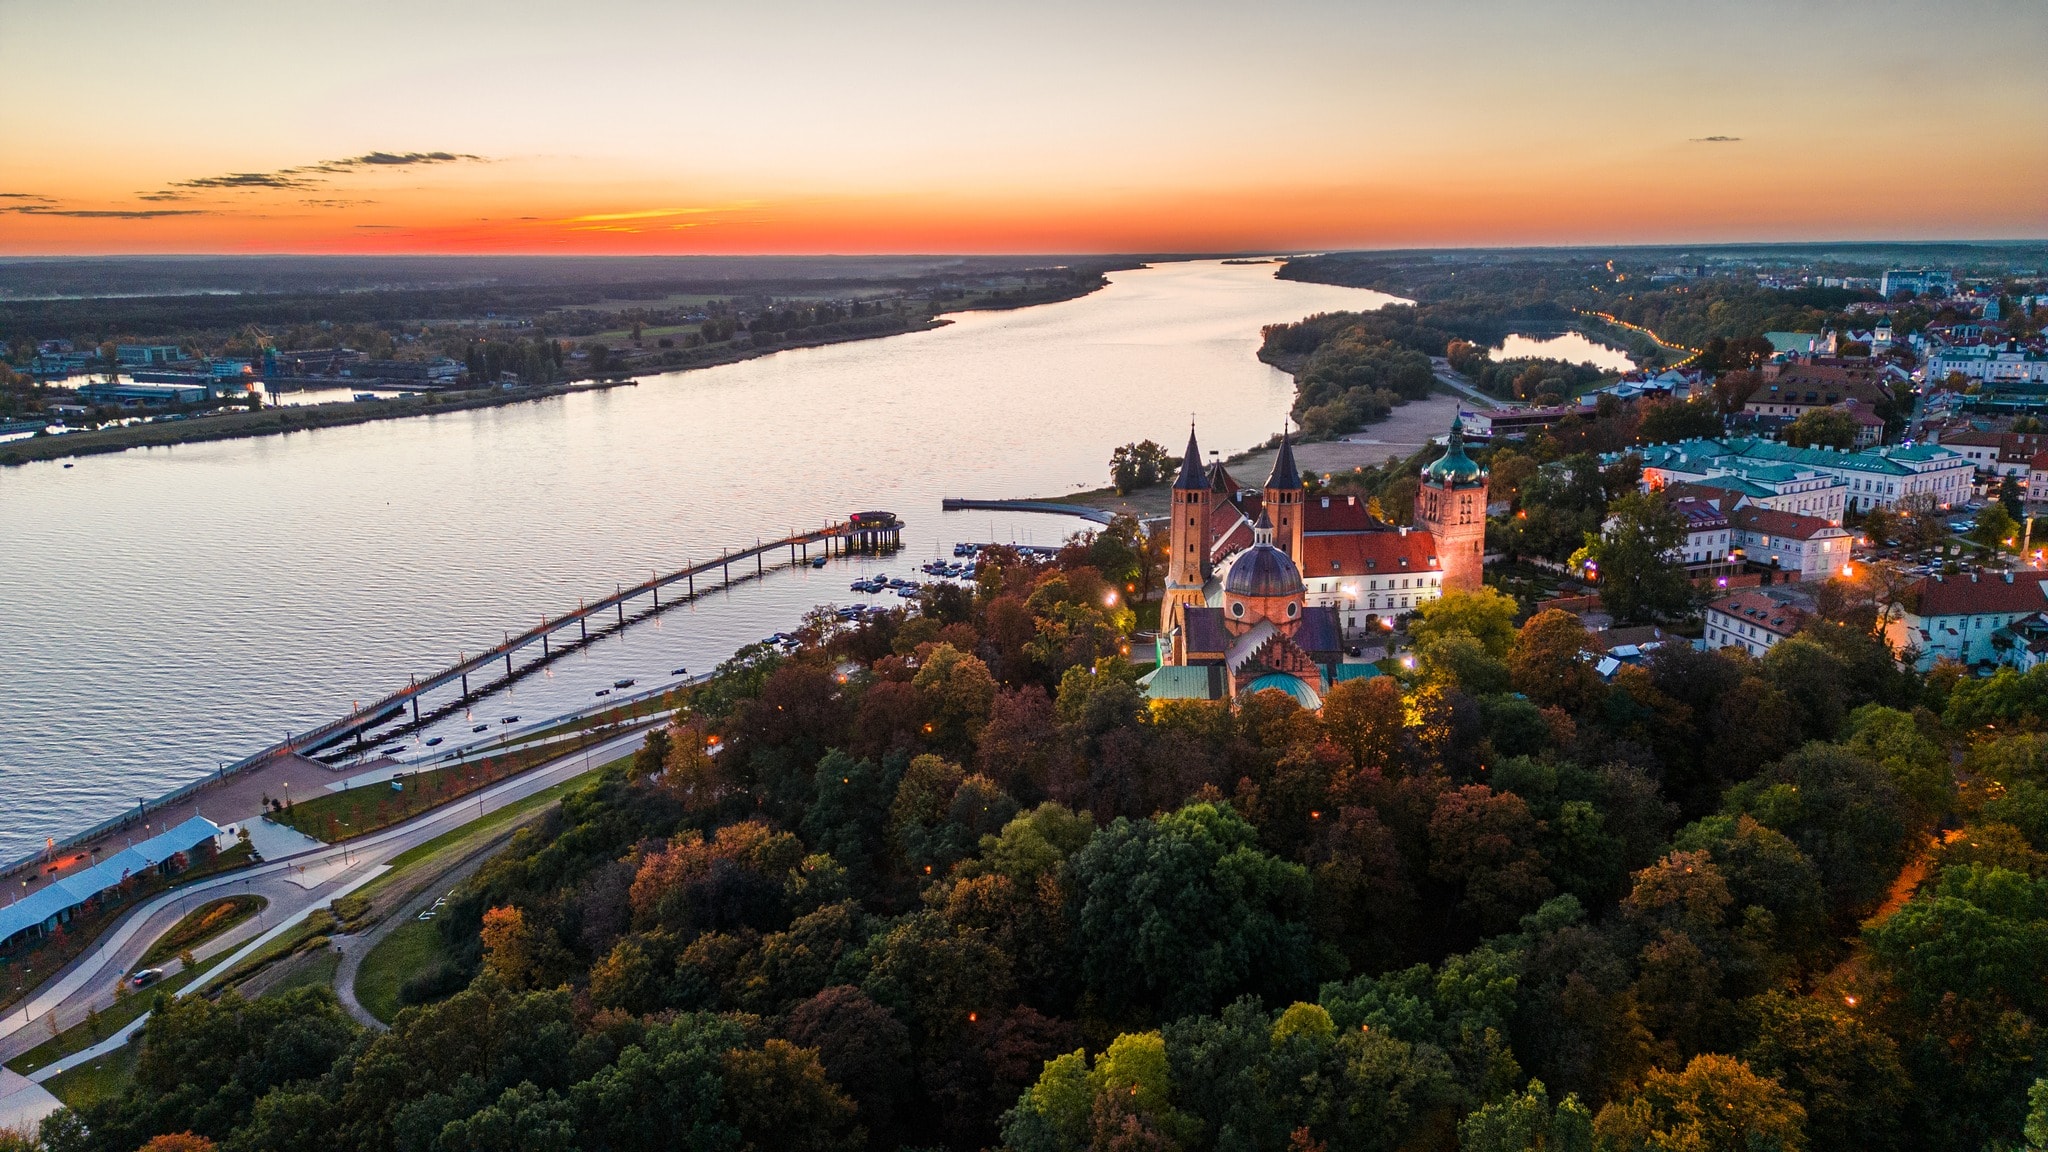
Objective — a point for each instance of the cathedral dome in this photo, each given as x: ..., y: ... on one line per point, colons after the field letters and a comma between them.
x: 1263, y: 570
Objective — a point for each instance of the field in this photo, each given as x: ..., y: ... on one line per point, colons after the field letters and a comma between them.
x: 342, y: 815
x: 412, y: 948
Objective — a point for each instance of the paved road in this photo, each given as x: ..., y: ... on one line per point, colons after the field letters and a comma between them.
x: 1449, y: 378
x: 295, y: 886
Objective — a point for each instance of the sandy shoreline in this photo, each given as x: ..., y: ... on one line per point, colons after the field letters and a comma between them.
x: 1400, y: 435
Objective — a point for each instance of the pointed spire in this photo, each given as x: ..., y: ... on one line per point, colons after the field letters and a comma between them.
x: 1262, y: 532
x: 1191, y: 466
x: 1285, y: 475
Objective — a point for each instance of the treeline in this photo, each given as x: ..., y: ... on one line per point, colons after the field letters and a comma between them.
x: 1531, y: 378
x: 945, y: 879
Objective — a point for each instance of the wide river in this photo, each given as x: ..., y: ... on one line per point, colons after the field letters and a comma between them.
x: 162, y: 611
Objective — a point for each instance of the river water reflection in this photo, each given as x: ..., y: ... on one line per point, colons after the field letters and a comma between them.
x: 164, y: 610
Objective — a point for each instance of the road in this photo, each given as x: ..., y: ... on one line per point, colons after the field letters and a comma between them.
x: 295, y: 887
x: 1449, y: 378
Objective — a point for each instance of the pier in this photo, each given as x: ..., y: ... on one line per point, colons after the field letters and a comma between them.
x: 960, y: 503
x: 860, y: 533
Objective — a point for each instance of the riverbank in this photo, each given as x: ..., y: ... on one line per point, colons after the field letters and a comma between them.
x: 1404, y: 432
x: 279, y: 421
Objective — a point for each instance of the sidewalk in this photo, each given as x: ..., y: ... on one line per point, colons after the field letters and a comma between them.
x: 23, y: 1103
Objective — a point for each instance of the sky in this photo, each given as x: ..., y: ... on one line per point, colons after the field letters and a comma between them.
x: 893, y: 126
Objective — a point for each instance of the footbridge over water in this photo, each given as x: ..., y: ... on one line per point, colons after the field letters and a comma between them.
x: 862, y: 532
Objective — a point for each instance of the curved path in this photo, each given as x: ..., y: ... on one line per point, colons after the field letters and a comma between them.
x: 295, y: 887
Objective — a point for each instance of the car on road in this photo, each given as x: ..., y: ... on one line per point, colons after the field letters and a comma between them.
x: 145, y: 977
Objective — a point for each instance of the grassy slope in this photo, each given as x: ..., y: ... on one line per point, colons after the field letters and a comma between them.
x: 412, y: 947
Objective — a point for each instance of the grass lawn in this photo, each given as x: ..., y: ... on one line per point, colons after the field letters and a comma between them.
x: 88, y: 1033
x: 336, y: 816
x: 314, y: 970
x: 412, y: 947
x: 96, y: 1079
x: 202, y: 924
x: 319, y: 923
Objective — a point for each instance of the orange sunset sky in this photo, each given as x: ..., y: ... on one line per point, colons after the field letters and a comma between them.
x: 625, y: 126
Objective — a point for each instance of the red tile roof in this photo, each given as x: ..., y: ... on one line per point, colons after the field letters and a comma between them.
x: 1986, y: 592
x: 1343, y: 514
x: 1762, y: 611
x: 1368, y: 554
x: 1775, y: 523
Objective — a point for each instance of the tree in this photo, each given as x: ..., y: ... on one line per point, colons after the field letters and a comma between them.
x: 1138, y: 465
x: 1716, y: 1105
x: 1995, y: 529
x: 1185, y: 912
x: 1366, y: 718
x: 1670, y: 422
x: 1485, y: 843
x: 1487, y: 614
x: 1636, y: 557
x: 1822, y: 428
x: 1544, y: 662
x: 1843, y: 1069
x: 1526, y: 1122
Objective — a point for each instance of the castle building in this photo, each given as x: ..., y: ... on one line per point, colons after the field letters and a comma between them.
x: 1268, y: 588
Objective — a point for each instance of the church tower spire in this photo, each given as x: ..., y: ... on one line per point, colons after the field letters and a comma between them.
x: 1450, y: 504
x: 1283, y: 500
x: 1187, y: 562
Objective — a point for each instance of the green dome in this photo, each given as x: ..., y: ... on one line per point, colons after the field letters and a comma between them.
x: 1294, y: 686
x: 1454, y: 468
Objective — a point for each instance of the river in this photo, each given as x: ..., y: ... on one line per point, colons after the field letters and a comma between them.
x: 164, y: 610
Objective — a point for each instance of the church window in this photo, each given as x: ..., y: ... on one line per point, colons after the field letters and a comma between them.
x: 1293, y: 609
x: 1237, y: 610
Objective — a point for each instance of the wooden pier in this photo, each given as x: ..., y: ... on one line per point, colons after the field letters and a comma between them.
x: 863, y: 532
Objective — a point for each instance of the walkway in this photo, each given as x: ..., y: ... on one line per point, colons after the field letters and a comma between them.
x: 23, y: 1103
x: 295, y: 887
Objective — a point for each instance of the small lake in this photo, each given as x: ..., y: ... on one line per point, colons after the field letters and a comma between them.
x: 1572, y: 347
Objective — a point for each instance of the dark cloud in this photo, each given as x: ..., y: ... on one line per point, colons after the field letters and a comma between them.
x: 387, y: 160
x: 335, y: 203
x: 162, y: 196
x: 101, y: 213
x: 309, y: 176
x: 1716, y: 139
x: 26, y: 196
x: 245, y: 180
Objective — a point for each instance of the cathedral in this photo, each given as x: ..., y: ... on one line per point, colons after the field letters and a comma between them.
x: 1268, y: 588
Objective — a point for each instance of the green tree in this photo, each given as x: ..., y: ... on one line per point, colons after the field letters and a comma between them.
x: 1182, y: 913
x: 1637, y: 557
x: 1138, y: 465
x: 1487, y: 615
x: 1527, y: 1122
x: 1822, y: 428
x: 1995, y: 529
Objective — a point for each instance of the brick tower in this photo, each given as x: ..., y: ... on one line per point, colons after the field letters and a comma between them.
x: 1450, y: 505
x: 1187, y: 564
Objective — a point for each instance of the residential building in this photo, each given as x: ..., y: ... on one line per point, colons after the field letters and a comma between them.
x: 1919, y: 281
x: 1967, y: 618
x: 1807, y: 547
x: 1874, y: 478
x: 2006, y: 363
x: 1800, y: 388
x: 1753, y: 621
x: 1997, y: 455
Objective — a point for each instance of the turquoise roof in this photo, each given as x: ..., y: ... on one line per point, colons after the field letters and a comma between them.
x: 1178, y: 682
x: 1454, y: 467
x: 1294, y: 686
x: 1355, y: 672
